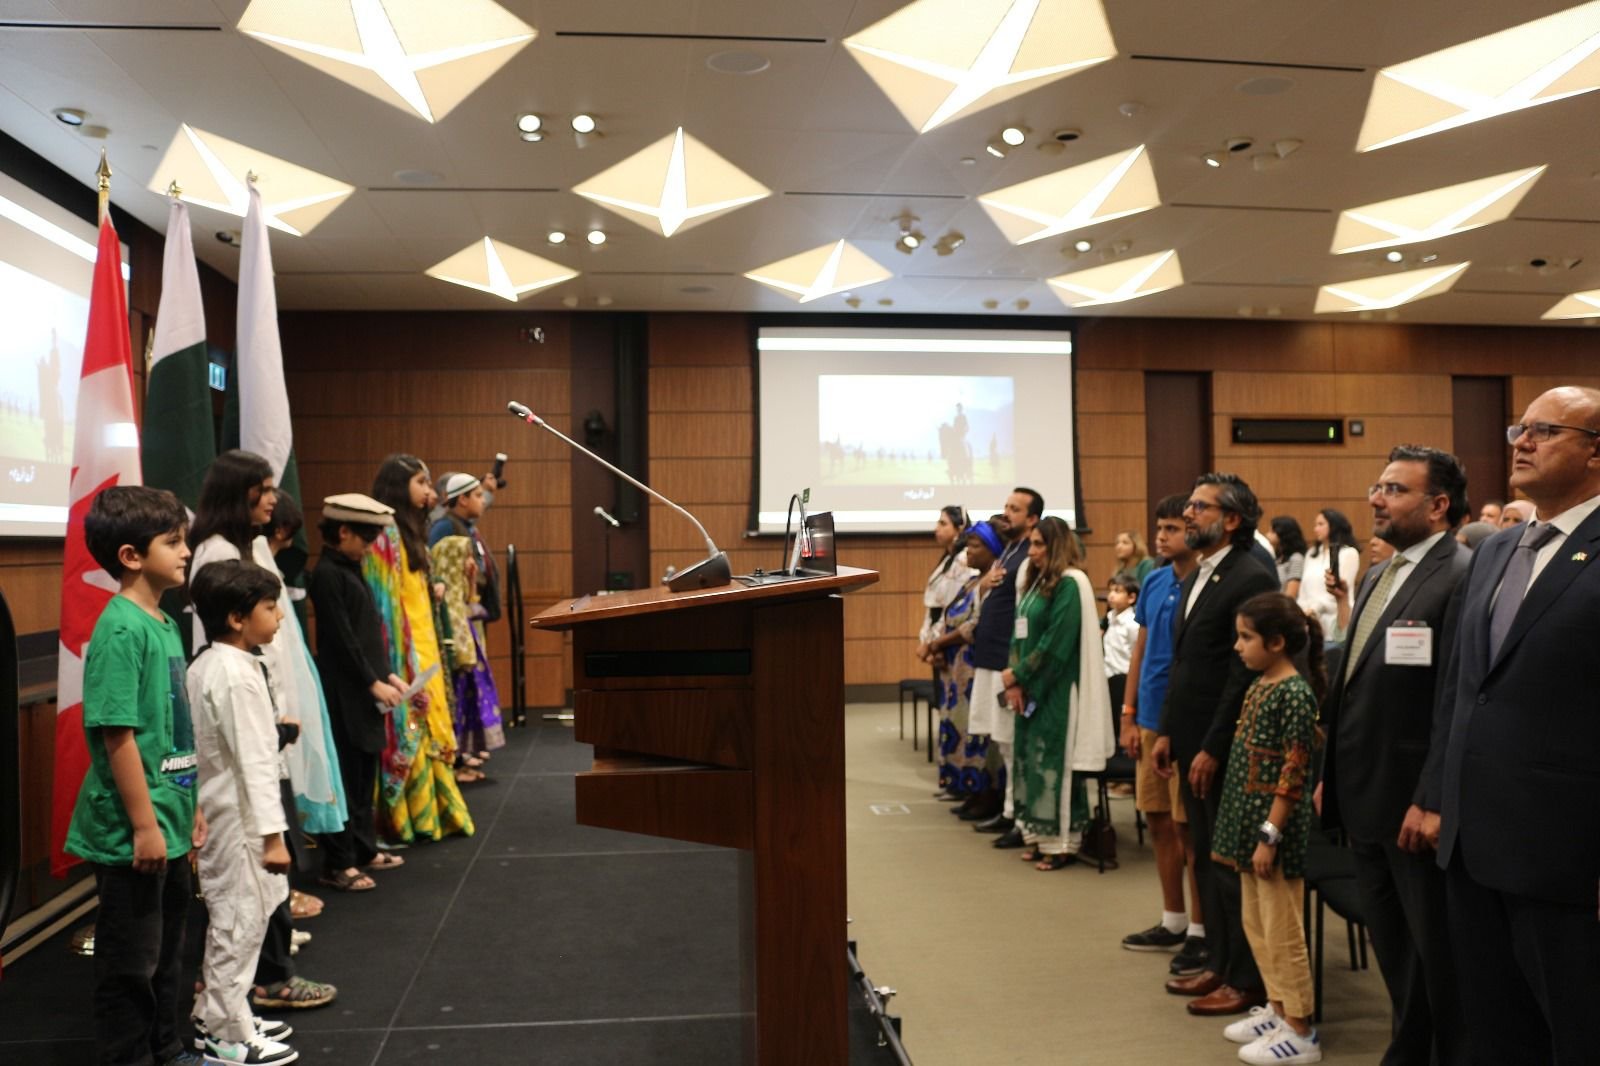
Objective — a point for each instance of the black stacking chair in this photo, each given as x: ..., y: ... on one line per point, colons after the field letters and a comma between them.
x: 917, y: 689
x: 1331, y: 885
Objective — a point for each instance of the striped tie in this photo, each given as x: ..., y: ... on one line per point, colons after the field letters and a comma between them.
x: 1369, y: 614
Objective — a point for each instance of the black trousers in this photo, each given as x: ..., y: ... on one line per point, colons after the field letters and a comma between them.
x: 1527, y: 974
x: 357, y: 843
x: 138, y: 962
x: 1403, y: 900
x: 1221, y: 902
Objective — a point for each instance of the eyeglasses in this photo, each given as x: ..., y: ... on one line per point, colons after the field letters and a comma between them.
x: 1201, y: 506
x: 1539, y: 432
x: 1389, y: 490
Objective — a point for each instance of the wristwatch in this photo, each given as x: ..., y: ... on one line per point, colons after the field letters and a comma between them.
x: 1270, y: 835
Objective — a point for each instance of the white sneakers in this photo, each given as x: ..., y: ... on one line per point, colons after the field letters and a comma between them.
x: 257, y: 1051
x: 1281, y: 1046
x: 1259, y: 1022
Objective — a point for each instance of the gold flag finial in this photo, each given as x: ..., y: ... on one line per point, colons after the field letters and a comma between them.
x: 251, y: 176
x: 104, y: 176
x: 175, y: 190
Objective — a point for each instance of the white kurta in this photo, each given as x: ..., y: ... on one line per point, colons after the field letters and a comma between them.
x: 296, y: 688
x: 236, y: 741
x: 1314, y: 597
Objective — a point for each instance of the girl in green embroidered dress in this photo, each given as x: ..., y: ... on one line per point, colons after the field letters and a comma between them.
x: 1264, y: 821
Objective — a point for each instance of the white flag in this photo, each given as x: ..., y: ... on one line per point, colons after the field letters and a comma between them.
x: 263, y: 400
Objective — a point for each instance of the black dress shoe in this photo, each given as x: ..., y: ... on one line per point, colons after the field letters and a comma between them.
x: 998, y: 824
x: 960, y: 810
x: 1011, y: 839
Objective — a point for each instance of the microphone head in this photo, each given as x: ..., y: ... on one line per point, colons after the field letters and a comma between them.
x: 522, y: 411
x: 601, y: 511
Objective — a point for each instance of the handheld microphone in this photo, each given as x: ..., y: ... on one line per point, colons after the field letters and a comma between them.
x: 603, y: 513
x: 711, y: 572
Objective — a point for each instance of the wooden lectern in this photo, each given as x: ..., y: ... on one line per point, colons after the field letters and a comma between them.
x: 716, y: 716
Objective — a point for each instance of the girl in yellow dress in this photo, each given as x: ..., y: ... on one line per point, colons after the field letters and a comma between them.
x: 418, y: 796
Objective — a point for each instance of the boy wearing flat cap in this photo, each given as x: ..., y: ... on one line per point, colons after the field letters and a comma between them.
x: 357, y: 677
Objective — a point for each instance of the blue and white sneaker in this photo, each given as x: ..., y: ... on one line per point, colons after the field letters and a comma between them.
x: 266, y: 1028
x: 253, y: 1052
x: 1281, y: 1047
x: 1258, y: 1023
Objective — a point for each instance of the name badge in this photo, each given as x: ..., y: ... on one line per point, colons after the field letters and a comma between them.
x: 1408, y: 644
x: 1019, y: 629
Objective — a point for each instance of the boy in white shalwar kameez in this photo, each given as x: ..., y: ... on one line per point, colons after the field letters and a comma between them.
x: 244, y: 863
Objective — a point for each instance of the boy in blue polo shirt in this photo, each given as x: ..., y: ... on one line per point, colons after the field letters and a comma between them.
x: 1157, y: 797
x: 135, y: 818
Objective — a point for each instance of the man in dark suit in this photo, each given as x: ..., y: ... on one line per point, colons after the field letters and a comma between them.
x: 1205, y: 689
x: 1379, y: 718
x: 1519, y: 840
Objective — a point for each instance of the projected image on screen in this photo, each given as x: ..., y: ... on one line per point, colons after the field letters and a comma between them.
x: 46, y: 270
x: 887, y: 425
x: 43, y: 342
x: 915, y: 431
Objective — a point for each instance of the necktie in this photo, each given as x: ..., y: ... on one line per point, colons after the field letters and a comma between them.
x: 1370, y: 612
x: 1514, y: 586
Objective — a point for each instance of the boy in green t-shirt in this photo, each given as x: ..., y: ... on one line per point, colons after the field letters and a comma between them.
x: 135, y: 818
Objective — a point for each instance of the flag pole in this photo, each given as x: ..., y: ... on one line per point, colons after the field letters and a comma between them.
x: 104, y: 176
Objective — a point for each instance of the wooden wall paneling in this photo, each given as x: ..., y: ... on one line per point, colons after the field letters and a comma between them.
x: 1110, y: 435
x: 701, y: 434
x: 1203, y: 344
x: 726, y: 522
x: 702, y: 481
x: 699, y: 340
x: 1383, y: 432
x: 701, y: 388
x: 1480, y: 415
x: 33, y: 591
x: 1525, y: 388
x: 1110, y: 391
x: 427, y: 392
x: 532, y: 482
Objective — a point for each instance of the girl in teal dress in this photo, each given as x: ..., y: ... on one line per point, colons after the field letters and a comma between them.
x: 1048, y: 687
x: 1264, y: 821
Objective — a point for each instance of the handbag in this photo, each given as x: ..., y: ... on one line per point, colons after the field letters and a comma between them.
x: 1100, y: 839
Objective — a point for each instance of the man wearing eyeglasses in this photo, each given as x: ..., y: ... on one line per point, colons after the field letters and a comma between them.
x: 1379, y: 719
x: 1519, y: 839
x: 1205, y: 688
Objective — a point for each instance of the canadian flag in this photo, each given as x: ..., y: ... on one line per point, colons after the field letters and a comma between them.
x: 105, y: 452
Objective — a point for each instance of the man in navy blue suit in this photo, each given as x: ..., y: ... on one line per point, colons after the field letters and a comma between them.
x: 1520, y: 698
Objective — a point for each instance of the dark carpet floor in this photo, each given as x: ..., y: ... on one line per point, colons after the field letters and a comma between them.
x: 535, y: 941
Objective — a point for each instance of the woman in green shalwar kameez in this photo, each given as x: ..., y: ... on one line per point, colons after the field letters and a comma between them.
x: 1046, y: 649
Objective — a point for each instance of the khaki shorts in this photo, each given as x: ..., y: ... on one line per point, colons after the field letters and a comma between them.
x: 1152, y: 793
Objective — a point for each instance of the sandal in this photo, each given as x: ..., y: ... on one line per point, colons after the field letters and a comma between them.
x: 385, y: 861
x: 1030, y: 854
x: 296, y: 993
x: 471, y: 762
x: 345, y: 881
x: 466, y: 775
x: 1056, y: 862
x: 302, y: 905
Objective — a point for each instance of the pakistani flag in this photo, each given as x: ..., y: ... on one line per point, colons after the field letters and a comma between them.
x: 263, y: 399
x: 179, y: 434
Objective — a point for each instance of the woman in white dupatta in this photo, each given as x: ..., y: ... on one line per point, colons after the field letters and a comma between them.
x: 1056, y: 685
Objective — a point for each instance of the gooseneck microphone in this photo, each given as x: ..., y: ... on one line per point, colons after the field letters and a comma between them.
x: 606, y: 515
x: 710, y: 572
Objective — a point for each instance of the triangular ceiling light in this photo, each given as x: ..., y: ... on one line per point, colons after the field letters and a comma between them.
x: 821, y: 272
x: 1103, y: 189
x: 1126, y: 279
x: 419, y: 55
x: 212, y: 171
x: 495, y: 267
x: 1388, y: 290
x: 674, y: 184
x: 940, y: 59
x: 1427, y: 216
x: 1538, y: 62
x: 1578, y: 305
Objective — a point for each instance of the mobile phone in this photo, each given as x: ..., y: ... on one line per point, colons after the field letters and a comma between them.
x: 499, y: 468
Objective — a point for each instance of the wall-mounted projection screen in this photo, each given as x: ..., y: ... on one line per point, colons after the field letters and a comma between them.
x: 46, y: 271
x: 886, y: 426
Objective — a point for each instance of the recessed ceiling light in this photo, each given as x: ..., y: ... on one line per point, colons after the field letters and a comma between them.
x: 968, y: 161
x: 1083, y: 246
x: 603, y: 301
x: 1431, y: 257
x: 911, y: 240
x: 1394, y: 257
x: 1023, y: 304
x: 529, y: 122
x: 1014, y: 135
x: 990, y: 304
x: 738, y: 62
x: 71, y: 116
x: 583, y: 124
x: 1268, y: 85
x: 995, y: 149
x: 597, y: 237
x: 885, y: 302
x: 1212, y: 159
x: 556, y: 236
